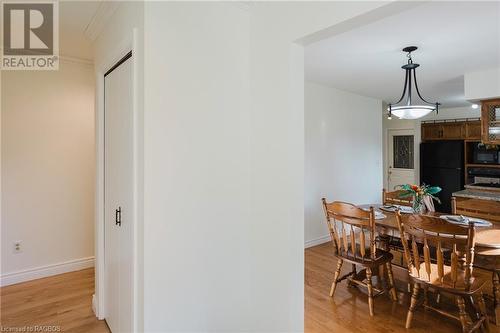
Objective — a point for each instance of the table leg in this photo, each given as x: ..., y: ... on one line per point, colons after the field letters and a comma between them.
x: 496, y: 296
x: 384, y: 245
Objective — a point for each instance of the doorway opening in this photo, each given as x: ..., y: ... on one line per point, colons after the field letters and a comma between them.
x: 48, y: 184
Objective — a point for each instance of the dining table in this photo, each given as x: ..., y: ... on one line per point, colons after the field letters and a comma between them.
x: 487, y: 245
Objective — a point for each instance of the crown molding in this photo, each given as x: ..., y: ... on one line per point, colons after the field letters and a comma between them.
x: 74, y: 60
x: 98, y: 21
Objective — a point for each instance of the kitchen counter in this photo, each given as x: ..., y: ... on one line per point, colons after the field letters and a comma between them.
x: 480, y: 188
x: 478, y: 194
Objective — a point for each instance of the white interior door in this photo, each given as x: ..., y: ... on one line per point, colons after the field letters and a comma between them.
x: 118, y: 196
x: 401, y: 157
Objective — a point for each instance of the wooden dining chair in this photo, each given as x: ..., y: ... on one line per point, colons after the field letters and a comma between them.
x: 349, y: 227
x: 393, y: 198
x: 392, y: 242
x: 452, y: 271
x: 479, y: 211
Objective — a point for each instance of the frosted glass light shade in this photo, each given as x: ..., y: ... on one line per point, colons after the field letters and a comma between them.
x: 412, y: 111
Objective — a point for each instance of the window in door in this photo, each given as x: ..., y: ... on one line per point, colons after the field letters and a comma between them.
x: 403, y: 151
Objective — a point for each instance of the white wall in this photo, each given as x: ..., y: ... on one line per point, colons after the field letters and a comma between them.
x: 483, y: 84
x: 453, y: 113
x: 197, y: 168
x: 47, y: 168
x: 343, y: 153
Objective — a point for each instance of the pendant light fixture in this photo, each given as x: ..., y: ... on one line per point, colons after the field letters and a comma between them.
x: 409, y: 109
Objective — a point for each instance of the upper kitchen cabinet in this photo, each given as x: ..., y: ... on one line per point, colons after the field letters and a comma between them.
x: 473, y: 130
x: 452, y: 129
x: 431, y: 131
x: 490, y: 121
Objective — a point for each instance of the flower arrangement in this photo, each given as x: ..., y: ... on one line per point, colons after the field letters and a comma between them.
x: 419, y: 193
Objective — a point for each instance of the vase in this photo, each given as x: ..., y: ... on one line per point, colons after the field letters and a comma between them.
x: 419, y: 205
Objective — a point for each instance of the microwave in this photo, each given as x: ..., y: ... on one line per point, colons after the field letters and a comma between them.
x: 486, y: 154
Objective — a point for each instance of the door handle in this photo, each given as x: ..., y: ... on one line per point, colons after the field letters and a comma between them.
x: 118, y: 216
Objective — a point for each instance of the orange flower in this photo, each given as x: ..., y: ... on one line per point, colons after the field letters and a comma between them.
x: 415, y: 188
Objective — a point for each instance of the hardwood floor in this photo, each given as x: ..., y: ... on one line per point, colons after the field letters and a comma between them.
x: 63, y: 301
x: 347, y: 311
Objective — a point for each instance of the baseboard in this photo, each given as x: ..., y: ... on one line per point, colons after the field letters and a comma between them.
x: 45, y: 271
x: 316, y: 241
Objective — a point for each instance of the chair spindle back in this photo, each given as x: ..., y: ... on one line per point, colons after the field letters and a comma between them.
x: 421, y: 233
x: 348, y: 226
x: 393, y: 198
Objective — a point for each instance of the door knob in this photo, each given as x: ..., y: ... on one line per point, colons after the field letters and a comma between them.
x: 118, y: 216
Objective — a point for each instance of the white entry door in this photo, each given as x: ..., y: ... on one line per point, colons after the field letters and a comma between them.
x: 118, y: 196
x: 401, y: 157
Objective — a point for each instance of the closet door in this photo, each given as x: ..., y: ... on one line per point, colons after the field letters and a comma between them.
x: 118, y: 195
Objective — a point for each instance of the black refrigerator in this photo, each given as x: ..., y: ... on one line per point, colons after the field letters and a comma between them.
x: 442, y: 164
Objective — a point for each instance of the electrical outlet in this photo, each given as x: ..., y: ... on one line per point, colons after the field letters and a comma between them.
x: 17, y: 247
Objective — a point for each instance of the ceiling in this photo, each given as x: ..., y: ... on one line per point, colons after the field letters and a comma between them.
x: 74, y: 17
x: 453, y: 38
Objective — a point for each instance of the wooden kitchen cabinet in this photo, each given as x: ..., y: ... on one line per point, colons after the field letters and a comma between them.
x: 451, y: 130
x: 473, y: 130
x: 431, y: 132
x: 490, y: 121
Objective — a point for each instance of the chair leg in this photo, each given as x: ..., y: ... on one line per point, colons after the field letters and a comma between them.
x: 390, y: 276
x: 496, y: 296
x: 475, y: 313
x: 370, y: 289
x: 482, y: 308
x: 461, y: 313
x: 336, y: 277
x: 413, y: 305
